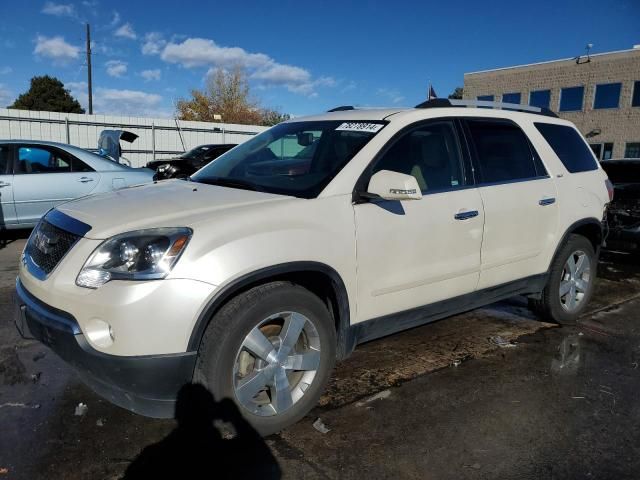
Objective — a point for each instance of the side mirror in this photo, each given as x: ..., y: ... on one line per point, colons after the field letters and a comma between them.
x: 394, y: 186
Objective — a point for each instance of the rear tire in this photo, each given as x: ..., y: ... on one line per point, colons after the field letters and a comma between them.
x: 570, y: 284
x: 271, y: 350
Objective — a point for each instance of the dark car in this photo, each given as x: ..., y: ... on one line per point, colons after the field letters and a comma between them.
x: 189, y: 162
x: 623, y: 214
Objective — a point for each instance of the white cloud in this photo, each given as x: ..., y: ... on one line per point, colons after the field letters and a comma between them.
x: 75, y: 86
x: 349, y: 86
x: 59, y: 9
x: 5, y: 96
x: 277, y: 74
x: 116, y: 68
x: 149, y: 75
x: 109, y: 101
x: 5, y: 70
x: 126, y: 31
x: 199, y: 52
x: 390, y: 94
x: 129, y: 102
x: 153, y: 43
x: 115, y: 19
x: 56, y: 48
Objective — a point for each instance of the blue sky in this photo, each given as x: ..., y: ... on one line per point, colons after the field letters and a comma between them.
x: 302, y: 57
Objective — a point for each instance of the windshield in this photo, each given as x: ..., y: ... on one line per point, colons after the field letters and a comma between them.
x: 194, y: 153
x: 297, y: 159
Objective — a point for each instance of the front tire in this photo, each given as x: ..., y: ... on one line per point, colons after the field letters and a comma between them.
x: 271, y: 350
x: 570, y: 284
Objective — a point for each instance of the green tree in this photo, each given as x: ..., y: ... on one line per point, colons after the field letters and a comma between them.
x: 227, y: 94
x: 47, y: 94
x: 457, y: 93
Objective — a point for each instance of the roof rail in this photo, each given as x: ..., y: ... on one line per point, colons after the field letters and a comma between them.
x: 342, y: 108
x: 444, y: 102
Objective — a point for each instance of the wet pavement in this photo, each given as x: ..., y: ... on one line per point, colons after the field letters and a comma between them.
x: 488, y: 394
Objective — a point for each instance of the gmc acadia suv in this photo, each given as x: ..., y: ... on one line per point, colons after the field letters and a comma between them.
x: 279, y: 257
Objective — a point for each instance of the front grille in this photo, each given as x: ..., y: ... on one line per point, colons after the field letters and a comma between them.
x: 48, y: 244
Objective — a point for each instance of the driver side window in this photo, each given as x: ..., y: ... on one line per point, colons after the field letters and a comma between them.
x: 430, y: 153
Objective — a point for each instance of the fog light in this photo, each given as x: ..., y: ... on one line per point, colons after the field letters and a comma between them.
x: 99, y: 333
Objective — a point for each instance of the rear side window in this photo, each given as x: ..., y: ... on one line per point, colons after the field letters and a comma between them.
x: 78, y: 165
x: 569, y: 146
x: 503, y: 151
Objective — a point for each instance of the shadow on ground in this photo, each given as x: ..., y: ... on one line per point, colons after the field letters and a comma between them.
x: 7, y: 237
x: 196, y: 448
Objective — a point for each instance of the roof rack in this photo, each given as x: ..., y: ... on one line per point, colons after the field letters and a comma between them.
x: 342, y: 108
x: 444, y: 103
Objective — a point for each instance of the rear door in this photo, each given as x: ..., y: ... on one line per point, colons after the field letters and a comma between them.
x: 7, y: 206
x: 519, y: 198
x: 46, y: 176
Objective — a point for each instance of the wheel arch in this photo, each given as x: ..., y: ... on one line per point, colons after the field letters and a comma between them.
x: 590, y: 228
x: 317, y: 277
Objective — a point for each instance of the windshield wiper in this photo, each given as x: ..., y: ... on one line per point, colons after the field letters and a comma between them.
x: 229, y: 182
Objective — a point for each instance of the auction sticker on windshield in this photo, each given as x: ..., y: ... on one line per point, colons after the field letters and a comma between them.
x: 360, y: 127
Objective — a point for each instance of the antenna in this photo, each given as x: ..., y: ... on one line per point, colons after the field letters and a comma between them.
x: 579, y: 60
x: 89, y: 82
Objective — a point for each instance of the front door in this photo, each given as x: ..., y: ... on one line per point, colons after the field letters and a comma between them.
x: 416, y: 252
x: 46, y: 176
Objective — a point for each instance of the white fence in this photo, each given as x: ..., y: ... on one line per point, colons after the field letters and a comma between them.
x: 158, y: 137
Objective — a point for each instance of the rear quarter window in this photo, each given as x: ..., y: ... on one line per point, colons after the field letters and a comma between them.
x: 569, y: 146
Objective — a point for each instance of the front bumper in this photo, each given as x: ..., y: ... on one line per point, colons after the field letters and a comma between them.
x: 146, y: 384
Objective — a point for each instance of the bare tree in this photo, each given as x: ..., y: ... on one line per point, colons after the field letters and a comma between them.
x: 227, y: 93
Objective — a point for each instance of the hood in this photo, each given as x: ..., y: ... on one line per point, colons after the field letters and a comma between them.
x: 172, y: 203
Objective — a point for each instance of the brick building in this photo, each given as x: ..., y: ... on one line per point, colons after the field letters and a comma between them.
x: 599, y: 93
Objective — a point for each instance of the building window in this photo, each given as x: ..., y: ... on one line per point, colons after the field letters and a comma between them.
x: 511, y: 97
x: 632, y: 150
x: 635, y: 100
x: 571, y: 99
x: 602, y: 151
x: 540, y: 98
x: 607, y: 96
x: 485, y: 98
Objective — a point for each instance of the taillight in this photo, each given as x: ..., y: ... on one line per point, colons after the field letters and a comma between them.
x: 610, y: 190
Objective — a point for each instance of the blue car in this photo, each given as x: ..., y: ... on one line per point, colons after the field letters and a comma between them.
x: 35, y: 176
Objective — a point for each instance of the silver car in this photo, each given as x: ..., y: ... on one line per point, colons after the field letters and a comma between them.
x: 35, y: 176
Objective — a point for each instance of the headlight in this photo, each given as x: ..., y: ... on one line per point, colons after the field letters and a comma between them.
x: 141, y: 255
x: 163, y: 168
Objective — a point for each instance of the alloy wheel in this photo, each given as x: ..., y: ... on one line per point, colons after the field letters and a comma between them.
x: 575, y: 280
x: 276, y: 363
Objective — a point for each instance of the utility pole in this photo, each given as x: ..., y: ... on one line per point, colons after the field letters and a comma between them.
x: 90, y: 85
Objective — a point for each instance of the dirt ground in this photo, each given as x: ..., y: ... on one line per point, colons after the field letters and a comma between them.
x: 492, y: 393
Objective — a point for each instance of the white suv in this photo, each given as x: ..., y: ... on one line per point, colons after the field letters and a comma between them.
x: 321, y: 233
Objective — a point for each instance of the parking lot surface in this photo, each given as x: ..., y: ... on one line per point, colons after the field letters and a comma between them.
x: 492, y: 393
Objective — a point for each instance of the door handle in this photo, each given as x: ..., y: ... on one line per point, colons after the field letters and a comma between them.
x: 466, y: 215
x: 4, y: 184
x: 547, y: 201
x: 85, y: 179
